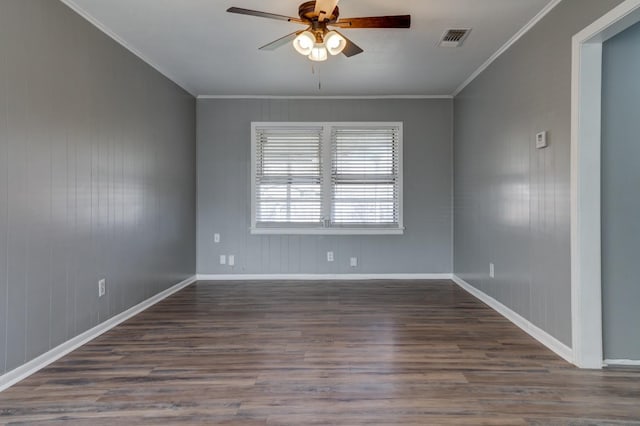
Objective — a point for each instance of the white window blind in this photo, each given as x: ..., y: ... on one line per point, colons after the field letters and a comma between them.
x: 288, y: 176
x: 327, y: 178
x: 364, y: 178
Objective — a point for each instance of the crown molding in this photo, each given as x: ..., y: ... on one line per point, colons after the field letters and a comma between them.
x: 110, y: 33
x: 324, y: 97
x: 548, y: 8
x: 106, y: 30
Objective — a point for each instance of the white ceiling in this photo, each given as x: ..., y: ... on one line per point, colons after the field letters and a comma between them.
x: 208, y: 51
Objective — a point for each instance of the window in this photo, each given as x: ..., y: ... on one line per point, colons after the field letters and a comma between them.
x: 326, y: 178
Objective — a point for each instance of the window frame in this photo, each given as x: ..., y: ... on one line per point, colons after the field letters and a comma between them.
x: 326, y: 186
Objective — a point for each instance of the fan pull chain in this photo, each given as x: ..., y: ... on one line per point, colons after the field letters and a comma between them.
x: 313, y: 71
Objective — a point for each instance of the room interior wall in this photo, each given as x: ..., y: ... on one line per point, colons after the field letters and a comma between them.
x: 97, y: 179
x: 97, y: 174
x: 511, y: 200
x: 621, y: 195
x: 224, y: 141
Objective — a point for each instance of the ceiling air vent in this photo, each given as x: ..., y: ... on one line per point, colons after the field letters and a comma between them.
x: 454, y: 37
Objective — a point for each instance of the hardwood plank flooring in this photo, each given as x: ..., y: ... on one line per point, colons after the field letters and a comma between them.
x: 320, y: 353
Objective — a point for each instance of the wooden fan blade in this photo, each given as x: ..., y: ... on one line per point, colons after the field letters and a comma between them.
x: 351, y: 49
x: 398, y: 21
x: 260, y: 14
x: 280, y: 42
x: 325, y: 8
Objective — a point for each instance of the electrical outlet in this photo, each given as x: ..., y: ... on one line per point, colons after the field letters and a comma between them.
x: 492, y: 271
x: 223, y: 259
x: 353, y: 262
x: 102, y: 287
x: 329, y: 256
x: 232, y: 260
x: 216, y: 238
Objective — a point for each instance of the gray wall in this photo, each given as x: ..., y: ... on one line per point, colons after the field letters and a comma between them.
x: 511, y: 201
x: 621, y: 195
x: 223, y: 134
x: 97, y: 154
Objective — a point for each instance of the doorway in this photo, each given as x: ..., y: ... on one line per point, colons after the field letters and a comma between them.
x: 586, y: 167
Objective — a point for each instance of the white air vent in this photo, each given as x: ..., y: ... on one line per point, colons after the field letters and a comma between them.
x: 454, y: 37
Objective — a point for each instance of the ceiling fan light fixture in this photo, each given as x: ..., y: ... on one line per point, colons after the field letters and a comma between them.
x: 317, y: 41
x: 318, y: 53
x: 334, y: 42
x: 304, y: 43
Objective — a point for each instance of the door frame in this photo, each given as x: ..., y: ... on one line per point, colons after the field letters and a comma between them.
x: 586, y: 106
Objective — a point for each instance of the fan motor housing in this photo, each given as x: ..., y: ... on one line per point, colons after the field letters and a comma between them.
x: 307, y: 12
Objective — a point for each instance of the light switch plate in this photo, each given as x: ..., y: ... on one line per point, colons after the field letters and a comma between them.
x: 541, y: 140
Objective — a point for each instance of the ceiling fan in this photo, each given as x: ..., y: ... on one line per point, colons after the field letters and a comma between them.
x: 318, y: 39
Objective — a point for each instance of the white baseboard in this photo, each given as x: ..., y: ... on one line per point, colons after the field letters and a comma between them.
x: 310, y: 277
x: 534, y: 331
x: 14, y: 376
x: 626, y: 362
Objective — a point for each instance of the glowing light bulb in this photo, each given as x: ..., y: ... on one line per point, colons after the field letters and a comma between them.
x: 304, y: 42
x: 318, y: 53
x: 335, y: 42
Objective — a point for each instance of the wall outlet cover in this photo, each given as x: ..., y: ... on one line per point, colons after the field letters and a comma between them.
x: 102, y: 287
x: 223, y: 259
x: 329, y: 256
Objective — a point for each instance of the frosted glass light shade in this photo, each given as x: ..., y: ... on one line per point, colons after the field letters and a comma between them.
x: 304, y: 43
x: 334, y: 42
x: 318, y: 53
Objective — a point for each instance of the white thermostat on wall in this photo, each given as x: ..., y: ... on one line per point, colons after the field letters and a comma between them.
x: 541, y: 140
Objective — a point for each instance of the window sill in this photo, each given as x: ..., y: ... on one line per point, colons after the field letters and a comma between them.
x: 327, y: 231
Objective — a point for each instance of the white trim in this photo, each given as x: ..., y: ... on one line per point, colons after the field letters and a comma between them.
x: 312, y: 277
x: 545, y: 10
x: 629, y: 362
x: 453, y: 188
x: 325, y: 231
x: 586, y: 102
x: 324, y: 97
x: 326, y: 171
x: 99, y: 25
x: 612, y: 23
x: 14, y: 376
x: 400, y: 179
x: 528, y: 327
x: 585, y: 223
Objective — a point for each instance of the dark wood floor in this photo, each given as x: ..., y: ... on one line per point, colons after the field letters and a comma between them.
x: 316, y: 353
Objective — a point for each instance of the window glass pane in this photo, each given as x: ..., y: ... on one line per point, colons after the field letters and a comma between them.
x: 364, y: 203
x: 289, y: 203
